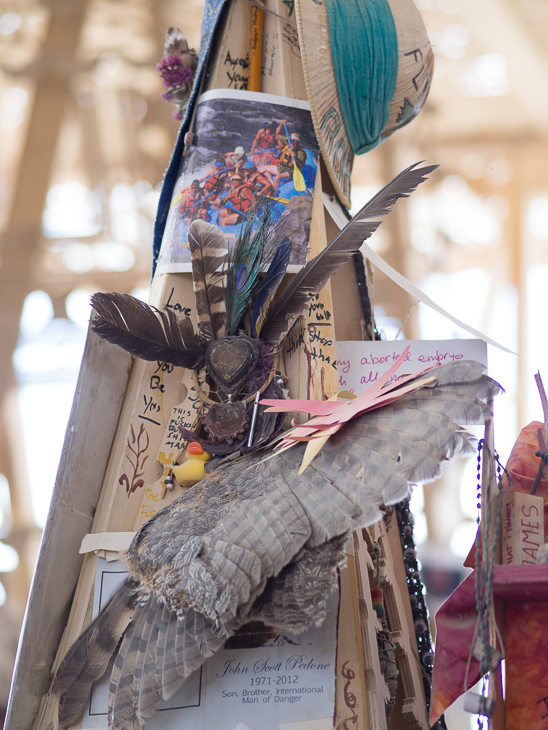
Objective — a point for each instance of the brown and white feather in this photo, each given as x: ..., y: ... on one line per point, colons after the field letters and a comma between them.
x: 208, y: 256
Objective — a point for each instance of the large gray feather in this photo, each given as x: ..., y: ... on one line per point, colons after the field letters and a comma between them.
x: 256, y: 541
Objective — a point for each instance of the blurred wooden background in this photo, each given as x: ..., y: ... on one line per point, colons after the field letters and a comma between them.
x: 84, y: 142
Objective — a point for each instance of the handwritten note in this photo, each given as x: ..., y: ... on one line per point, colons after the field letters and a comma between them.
x: 171, y: 445
x: 286, y: 679
x: 362, y: 363
x: 316, y: 340
x: 310, y: 358
x: 522, y: 528
x: 237, y: 71
x: 291, y: 38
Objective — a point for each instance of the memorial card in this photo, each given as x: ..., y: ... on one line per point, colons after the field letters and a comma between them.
x: 262, y: 680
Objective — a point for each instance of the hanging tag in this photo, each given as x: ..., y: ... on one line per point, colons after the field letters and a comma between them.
x: 522, y: 528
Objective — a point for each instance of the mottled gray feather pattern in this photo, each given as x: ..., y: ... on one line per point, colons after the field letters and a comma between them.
x: 146, y: 684
x: 88, y: 658
x: 296, y: 598
x: 256, y: 541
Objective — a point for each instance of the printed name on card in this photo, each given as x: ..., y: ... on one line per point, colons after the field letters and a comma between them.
x: 256, y: 682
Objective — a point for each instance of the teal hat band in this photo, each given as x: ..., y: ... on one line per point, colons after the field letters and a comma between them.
x: 364, y: 49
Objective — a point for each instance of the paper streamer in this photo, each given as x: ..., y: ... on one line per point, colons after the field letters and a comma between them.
x: 338, y: 217
x: 107, y: 545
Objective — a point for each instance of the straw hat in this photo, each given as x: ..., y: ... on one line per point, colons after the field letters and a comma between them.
x: 367, y: 65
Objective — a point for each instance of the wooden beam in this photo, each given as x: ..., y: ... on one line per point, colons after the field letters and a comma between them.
x: 90, y: 431
x: 19, y: 242
x: 20, y: 239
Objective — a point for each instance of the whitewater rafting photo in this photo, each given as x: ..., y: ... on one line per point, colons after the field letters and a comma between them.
x: 266, y: 155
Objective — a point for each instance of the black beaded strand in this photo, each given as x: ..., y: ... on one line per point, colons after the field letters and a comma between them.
x: 417, y: 600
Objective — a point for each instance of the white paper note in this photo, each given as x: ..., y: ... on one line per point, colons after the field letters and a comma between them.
x: 335, y: 211
x: 361, y: 363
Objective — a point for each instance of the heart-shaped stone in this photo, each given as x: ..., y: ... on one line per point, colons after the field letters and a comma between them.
x: 230, y: 360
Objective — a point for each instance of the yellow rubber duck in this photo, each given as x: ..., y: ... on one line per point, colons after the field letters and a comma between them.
x: 192, y: 470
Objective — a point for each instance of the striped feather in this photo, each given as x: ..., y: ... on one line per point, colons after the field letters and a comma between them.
x: 120, y: 694
x: 88, y: 658
x: 208, y: 256
x: 163, y: 626
x: 145, y: 695
x: 170, y: 677
x: 187, y: 653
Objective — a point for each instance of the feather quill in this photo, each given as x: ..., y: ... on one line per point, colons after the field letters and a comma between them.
x: 208, y: 257
x: 146, y: 332
x: 269, y: 285
x: 317, y: 272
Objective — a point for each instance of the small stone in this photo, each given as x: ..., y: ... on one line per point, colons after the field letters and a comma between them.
x: 420, y: 626
x: 409, y: 554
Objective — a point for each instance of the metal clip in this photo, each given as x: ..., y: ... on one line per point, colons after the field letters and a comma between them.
x: 253, y: 419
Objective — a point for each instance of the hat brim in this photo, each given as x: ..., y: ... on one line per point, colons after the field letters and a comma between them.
x: 415, y: 68
x: 321, y: 87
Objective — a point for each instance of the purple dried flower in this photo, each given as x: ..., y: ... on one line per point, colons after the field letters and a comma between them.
x: 173, y: 73
x: 178, y: 79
